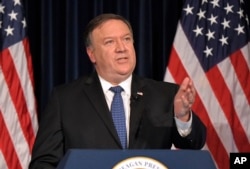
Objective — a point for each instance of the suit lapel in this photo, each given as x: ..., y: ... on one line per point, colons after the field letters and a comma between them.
x: 96, y: 96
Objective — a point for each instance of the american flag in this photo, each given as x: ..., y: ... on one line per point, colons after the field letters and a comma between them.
x: 212, y: 47
x: 18, y: 116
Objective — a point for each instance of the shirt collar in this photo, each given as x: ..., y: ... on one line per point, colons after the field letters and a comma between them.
x: 126, y: 85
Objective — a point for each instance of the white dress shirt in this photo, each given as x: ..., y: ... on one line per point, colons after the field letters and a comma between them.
x: 184, y: 128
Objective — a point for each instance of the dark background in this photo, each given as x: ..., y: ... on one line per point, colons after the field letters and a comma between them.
x: 55, y: 30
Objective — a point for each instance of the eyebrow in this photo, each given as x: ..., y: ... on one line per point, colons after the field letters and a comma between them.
x: 110, y: 37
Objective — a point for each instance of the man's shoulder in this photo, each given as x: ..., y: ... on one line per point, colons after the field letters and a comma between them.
x: 154, y: 83
x: 72, y: 86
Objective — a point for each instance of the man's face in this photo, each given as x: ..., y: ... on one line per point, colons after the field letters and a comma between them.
x: 112, y: 51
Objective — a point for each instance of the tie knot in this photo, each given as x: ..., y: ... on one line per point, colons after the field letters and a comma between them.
x: 116, y: 89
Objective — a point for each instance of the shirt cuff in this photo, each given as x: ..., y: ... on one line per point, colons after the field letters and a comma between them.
x: 184, y: 128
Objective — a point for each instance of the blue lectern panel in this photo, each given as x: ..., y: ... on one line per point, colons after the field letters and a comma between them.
x: 107, y: 159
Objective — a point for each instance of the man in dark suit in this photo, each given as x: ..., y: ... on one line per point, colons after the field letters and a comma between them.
x: 157, y: 114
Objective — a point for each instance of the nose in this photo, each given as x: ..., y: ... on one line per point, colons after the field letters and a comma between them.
x: 120, y: 46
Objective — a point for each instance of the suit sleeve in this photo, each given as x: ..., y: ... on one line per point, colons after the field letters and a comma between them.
x: 48, y: 147
x: 195, y: 140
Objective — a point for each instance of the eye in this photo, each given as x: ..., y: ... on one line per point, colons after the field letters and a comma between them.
x: 108, y: 42
x: 127, y: 39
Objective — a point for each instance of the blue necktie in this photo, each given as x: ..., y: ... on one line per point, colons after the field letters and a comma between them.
x: 118, y: 115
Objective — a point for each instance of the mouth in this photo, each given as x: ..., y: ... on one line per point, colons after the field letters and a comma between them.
x: 122, y: 59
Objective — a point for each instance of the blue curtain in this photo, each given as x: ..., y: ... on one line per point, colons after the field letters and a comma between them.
x: 55, y: 28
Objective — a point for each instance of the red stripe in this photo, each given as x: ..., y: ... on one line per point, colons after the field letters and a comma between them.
x: 213, y: 142
x: 176, y: 68
x: 7, y: 147
x: 226, y: 102
x: 12, y: 79
x: 242, y: 71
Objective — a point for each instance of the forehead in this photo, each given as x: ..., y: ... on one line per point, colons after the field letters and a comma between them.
x: 111, y: 27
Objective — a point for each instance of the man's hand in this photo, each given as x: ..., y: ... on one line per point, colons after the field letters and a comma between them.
x: 184, y: 100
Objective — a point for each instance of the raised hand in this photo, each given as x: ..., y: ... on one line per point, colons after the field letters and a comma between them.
x: 184, y: 100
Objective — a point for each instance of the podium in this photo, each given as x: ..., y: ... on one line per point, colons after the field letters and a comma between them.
x: 134, y: 159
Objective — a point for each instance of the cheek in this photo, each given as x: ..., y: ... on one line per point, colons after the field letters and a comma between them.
x: 133, y: 56
x: 105, y: 59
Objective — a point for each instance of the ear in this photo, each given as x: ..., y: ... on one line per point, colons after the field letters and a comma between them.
x: 90, y: 52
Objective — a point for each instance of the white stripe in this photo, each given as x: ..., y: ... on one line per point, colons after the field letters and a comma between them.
x: 168, y: 77
x: 204, y: 90
x: 3, y: 164
x: 246, y: 52
x: 12, y: 123
x: 240, y: 102
x: 18, y: 55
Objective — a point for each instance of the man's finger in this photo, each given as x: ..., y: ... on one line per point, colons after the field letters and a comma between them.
x: 185, y: 83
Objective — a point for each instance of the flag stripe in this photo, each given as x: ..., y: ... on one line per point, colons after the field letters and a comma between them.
x: 245, y: 52
x: 22, y: 64
x: 7, y: 148
x: 30, y: 96
x: 217, y: 133
x: 240, y: 66
x: 225, y: 99
x: 17, y: 100
x: 29, y: 60
x: 10, y: 114
x: 17, y: 96
x: 213, y: 141
x: 176, y: 63
x: 203, y: 87
x: 3, y: 163
x: 239, y: 97
x: 212, y: 47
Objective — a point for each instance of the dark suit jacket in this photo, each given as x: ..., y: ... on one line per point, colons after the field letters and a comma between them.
x: 77, y: 116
